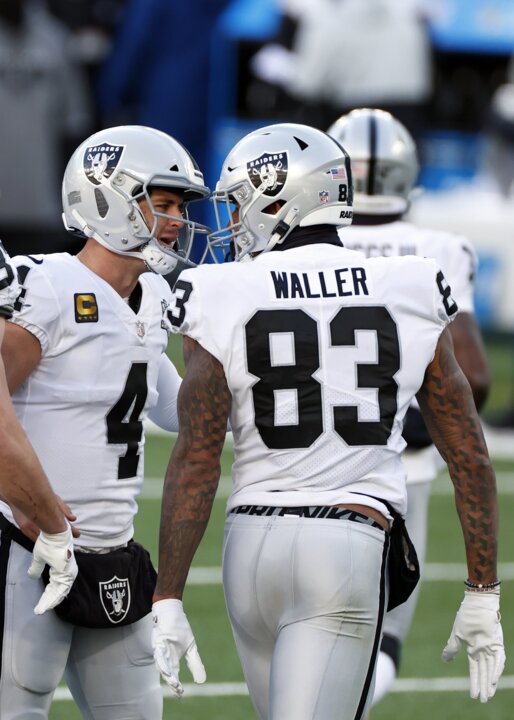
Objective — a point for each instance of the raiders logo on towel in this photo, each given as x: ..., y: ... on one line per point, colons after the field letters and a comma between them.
x: 115, y: 597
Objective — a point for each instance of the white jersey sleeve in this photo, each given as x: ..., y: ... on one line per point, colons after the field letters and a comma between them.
x: 164, y: 413
x: 323, y: 350
x: 38, y: 307
x: 9, y: 288
x: 458, y: 260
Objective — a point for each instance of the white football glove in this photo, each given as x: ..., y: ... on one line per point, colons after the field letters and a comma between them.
x: 478, y: 626
x: 173, y: 638
x: 55, y: 550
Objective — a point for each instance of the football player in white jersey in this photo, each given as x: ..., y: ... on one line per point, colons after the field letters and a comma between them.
x: 317, y: 358
x: 85, y: 360
x: 385, y: 168
x: 23, y: 483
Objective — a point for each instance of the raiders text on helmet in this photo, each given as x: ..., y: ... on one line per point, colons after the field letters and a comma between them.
x: 277, y: 178
x: 384, y: 160
x: 111, y: 172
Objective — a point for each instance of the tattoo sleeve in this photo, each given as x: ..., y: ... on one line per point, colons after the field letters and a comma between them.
x: 446, y: 401
x: 193, y: 472
x: 471, y: 355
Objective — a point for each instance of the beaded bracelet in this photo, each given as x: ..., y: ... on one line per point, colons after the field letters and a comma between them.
x: 481, y: 587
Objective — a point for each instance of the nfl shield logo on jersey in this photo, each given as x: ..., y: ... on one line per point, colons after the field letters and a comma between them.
x: 268, y: 172
x: 140, y: 329
x: 115, y: 597
x: 100, y: 161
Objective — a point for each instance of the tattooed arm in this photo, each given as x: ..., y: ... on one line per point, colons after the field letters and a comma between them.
x: 446, y: 401
x: 194, y: 468
x: 447, y: 405
x: 191, y: 480
x: 471, y: 355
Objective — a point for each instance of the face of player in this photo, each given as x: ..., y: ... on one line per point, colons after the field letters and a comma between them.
x: 233, y: 219
x: 165, y: 202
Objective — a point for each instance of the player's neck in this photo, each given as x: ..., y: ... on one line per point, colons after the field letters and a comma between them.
x: 121, y: 272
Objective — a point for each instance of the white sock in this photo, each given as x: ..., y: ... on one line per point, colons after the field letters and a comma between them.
x: 385, y: 675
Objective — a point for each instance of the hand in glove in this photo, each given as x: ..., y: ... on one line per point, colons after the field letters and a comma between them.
x: 478, y: 626
x: 55, y: 550
x: 173, y: 638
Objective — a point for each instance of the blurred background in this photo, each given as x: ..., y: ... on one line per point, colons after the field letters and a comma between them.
x: 209, y: 71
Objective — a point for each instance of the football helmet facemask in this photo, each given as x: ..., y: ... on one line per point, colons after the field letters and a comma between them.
x: 384, y: 160
x: 107, y: 177
x: 276, y: 179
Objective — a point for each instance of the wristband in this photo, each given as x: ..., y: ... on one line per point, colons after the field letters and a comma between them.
x: 481, y: 587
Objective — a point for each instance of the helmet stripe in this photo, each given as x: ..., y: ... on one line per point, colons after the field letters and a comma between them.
x: 372, y: 153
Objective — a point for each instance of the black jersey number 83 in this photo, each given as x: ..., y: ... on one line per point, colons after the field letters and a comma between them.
x: 300, y: 375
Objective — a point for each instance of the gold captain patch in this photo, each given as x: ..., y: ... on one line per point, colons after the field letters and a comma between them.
x: 86, y: 309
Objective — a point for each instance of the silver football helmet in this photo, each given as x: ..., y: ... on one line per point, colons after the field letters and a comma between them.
x: 275, y: 179
x: 384, y: 160
x: 111, y: 172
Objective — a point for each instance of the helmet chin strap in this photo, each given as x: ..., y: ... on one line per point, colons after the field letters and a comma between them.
x: 281, y: 229
x: 157, y: 260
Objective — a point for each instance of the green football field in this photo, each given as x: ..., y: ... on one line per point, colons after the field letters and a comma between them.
x: 427, y: 689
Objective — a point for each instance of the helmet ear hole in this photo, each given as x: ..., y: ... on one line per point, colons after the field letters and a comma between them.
x: 101, y: 203
x: 274, y: 207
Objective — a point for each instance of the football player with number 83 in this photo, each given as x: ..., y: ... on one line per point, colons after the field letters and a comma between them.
x: 316, y: 361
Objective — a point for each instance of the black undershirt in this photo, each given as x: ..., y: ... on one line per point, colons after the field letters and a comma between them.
x: 309, y: 236
x: 135, y: 298
x: 367, y: 219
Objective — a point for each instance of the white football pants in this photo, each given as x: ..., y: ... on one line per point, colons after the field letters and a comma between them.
x: 306, y: 599
x: 111, y: 673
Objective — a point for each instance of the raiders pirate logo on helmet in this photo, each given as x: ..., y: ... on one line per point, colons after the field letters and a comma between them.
x: 268, y: 172
x: 100, y: 161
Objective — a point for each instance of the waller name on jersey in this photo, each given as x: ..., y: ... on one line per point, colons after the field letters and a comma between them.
x: 318, y: 284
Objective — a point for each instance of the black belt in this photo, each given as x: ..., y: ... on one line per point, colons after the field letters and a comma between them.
x: 327, y: 512
x: 13, y: 533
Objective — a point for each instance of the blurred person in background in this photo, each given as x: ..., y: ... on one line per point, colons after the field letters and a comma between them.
x: 498, y: 162
x: 272, y: 66
x: 499, y: 165
x: 482, y: 208
x: 350, y: 53
x: 385, y: 169
x: 45, y: 106
x: 92, y: 24
x: 158, y: 70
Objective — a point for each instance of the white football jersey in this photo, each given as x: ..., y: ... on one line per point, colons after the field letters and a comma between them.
x: 84, y: 405
x: 9, y: 288
x: 323, y: 351
x: 454, y: 254
x: 458, y: 260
